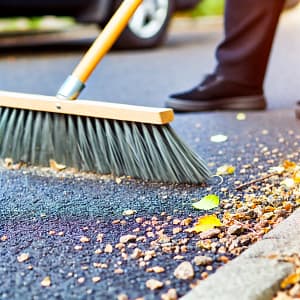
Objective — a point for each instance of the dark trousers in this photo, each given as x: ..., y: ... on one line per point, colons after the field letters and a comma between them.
x: 250, y: 27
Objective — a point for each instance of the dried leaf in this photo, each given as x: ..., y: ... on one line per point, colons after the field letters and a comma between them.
x: 225, y: 170
x: 290, y: 280
x: 55, y: 166
x: 218, y: 138
x: 208, y: 202
x: 287, y: 164
x: 207, y: 223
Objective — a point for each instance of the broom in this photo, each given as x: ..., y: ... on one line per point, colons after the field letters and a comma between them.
x: 103, y: 137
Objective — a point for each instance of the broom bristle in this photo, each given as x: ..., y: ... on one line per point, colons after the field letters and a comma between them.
x: 150, y: 152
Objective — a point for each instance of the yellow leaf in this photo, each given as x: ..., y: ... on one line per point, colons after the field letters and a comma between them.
x: 290, y: 280
x: 296, y: 177
x: 55, y: 166
x: 206, y: 223
x: 225, y: 170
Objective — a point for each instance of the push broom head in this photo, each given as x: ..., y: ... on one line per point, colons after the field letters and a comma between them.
x: 96, y: 136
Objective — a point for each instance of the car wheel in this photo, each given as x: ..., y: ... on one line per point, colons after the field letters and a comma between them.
x: 148, y: 26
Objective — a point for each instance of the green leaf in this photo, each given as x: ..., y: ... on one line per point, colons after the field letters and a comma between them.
x: 208, y: 202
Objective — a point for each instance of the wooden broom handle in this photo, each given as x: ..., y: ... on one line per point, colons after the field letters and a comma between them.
x: 106, y: 39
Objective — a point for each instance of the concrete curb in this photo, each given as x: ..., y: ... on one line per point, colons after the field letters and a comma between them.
x: 253, y: 276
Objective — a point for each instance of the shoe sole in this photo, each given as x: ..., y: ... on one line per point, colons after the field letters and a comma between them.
x: 256, y: 102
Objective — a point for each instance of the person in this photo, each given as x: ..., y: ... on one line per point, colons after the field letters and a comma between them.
x: 242, y: 59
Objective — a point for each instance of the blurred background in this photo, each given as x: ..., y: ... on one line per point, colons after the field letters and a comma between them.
x: 147, y: 29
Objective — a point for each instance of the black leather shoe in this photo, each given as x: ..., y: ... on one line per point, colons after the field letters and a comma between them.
x: 217, y: 93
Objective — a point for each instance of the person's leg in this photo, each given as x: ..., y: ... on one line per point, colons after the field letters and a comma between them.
x: 250, y: 26
x: 242, y: 58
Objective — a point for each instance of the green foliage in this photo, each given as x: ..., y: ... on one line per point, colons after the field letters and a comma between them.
x: 209, y: 8
x: 35, y: 23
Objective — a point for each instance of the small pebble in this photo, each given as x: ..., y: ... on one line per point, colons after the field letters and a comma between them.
x: 84, y: 239
x: 81, y: 280
x: 170, y: 295
x: 122, y: 297
x: 202, y: 260
x: 46, y: 282
x: 108, y: 248
x: 137, y: 253
x: 23, y: 257
x: 156, y: 269
x: 129, y: 212
x: 154, y: 284
x: 119, y: 271
x: 235, y: 229
x: 127, y: 238
x: 184, y: 271
x: 208, y: 234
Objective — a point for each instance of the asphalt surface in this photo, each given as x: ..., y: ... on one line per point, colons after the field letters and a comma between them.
x: 33, y: 205
x: 37, y: 205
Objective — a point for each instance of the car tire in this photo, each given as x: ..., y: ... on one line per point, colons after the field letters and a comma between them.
x: 148, y: 27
